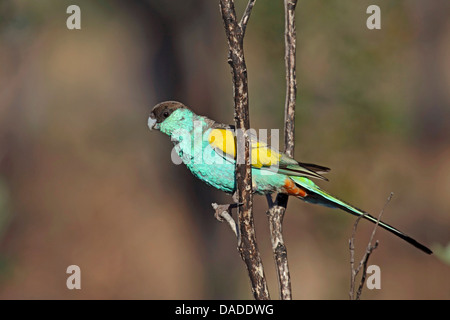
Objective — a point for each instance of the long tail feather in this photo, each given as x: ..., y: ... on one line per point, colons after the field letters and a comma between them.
x: 318, y: 196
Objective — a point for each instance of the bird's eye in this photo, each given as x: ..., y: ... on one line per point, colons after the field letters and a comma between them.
x: 166, y: 114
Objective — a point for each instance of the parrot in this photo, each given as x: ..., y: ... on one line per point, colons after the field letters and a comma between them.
x: 209, y: 150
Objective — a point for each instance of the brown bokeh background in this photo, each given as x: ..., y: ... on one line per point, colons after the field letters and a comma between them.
x: 83, y: 181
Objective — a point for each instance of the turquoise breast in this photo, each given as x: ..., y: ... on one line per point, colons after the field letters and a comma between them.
x: 212, y: 168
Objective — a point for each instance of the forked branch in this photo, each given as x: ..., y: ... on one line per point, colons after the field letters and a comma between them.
x: 364, y: 260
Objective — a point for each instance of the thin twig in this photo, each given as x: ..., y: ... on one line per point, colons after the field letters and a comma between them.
x: 247, y: 246
x: 277, y: 210
x: 246, y: 17
x: 364, y: 260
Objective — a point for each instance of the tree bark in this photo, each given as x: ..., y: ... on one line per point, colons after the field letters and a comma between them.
x: 277, y: 210
x: 247, y: 246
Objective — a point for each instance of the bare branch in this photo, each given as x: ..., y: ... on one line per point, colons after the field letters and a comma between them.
x: 364, y: 260
x: 277, y: 210
x: 290, y: 38
x: 363, y: 265
x: 246, y: 17
x: 276, y: 215
x: 247, y: 239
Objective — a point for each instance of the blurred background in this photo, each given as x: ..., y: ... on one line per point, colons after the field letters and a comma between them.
x: 83, y: 181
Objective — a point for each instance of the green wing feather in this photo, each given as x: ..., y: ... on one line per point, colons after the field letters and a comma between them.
x: 291, y: 167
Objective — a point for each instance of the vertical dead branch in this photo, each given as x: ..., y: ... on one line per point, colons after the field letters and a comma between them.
x: 247, y: 239
x: 290, y: 38
x: 276, y: 214
x: 364, y: 260
x: 277, y: 210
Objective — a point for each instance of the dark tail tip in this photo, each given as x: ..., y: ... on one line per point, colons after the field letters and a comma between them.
x: 400, y: 234
x: 416, y: 244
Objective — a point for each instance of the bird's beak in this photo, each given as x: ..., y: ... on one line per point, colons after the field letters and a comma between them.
x: 152, y: 123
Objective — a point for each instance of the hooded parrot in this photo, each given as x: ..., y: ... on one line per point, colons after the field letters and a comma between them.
x: 208, y: 149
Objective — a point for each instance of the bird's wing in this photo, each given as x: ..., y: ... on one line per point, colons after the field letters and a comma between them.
x: 302, y: 169
x: 222, y: 138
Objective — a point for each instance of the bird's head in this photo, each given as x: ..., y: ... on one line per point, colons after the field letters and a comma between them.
x: 168, y: 115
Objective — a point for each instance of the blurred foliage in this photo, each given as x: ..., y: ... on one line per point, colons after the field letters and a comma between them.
x: 5, y: 210
x: 443, y: 253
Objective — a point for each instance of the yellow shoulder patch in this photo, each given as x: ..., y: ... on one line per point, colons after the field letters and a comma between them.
x: 261, y: 155
x: 223, y: 140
